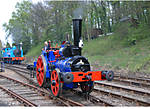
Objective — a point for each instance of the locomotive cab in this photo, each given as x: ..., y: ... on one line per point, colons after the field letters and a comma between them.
x: 70, y: 51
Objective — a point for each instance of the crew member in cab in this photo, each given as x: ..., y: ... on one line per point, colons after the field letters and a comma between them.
x: 45, y: 46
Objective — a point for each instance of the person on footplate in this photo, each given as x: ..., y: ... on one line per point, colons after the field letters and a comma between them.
x: 45, y: 45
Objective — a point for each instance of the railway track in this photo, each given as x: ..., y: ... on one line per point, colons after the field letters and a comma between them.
x: 18, y: 97
x: 130, y: 95
x: 92, y: 100
x: 122, y: 91
x: 141, y: 82
x: 138, y: 81
x: 24, y: 73
x: 29, y: 95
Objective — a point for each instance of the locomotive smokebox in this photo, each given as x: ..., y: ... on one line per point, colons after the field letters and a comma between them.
x: 77, y: 28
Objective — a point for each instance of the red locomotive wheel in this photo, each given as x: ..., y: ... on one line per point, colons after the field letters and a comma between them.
x: 56, y: 86
x: 41, y: 70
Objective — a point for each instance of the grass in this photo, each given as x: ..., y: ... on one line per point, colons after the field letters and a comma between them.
x: 106, y: 50
x: 33, y: 53
x: 116, y: 50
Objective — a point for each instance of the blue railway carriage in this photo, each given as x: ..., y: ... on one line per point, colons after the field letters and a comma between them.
x: 13, y: 55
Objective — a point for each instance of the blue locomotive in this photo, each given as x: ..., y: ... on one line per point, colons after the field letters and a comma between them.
x: 12, y: 54
x: 64, y: 68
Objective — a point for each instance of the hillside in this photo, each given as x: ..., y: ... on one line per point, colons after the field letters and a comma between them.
x: 127, y: 49
x: 119, y: 53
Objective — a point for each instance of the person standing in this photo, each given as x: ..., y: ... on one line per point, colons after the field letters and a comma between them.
x: 45, y: 45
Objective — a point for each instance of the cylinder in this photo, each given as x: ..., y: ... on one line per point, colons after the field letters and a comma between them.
x: 67, y: 77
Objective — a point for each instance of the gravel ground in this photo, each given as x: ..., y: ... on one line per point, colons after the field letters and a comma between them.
x: 22, y: 91
x: 128, y: 93
x: 3, y: 104
x: 113, y: 100
x: 4, y: 98
x: 65, y: 93
x: 12, y: 74
x: 77, y: 98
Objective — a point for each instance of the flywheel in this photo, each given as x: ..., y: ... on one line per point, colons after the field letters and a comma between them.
x: 41, y: 71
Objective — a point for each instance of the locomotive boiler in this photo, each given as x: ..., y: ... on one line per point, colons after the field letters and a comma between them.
x: 65, y: 68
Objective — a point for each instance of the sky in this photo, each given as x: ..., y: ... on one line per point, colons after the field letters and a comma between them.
x: 6, y: 9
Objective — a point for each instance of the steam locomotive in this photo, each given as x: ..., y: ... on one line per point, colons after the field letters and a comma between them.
x: 13, y: 55
x: 65, y: 68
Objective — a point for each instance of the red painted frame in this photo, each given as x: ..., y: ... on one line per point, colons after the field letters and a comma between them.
x: 80, y: 76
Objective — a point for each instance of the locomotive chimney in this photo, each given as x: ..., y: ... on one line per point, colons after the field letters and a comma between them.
x: 77, y: 28
x: 77, y: 25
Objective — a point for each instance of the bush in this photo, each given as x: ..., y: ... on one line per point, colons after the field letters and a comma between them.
x: 129, y: 35
x: 139, y: 33
x: 121, y: 30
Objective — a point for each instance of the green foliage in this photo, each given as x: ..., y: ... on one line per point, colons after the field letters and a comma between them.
x: 134, y: 57
x: 13, y: 44
x: 121, y: 30
x: 8, y: 45
x: 118, y: 49
x: 139, y: 33
x: 99, y: 46
x: 18, y: 26
x: 35, y: 51
x: 33, y: 24
x: 1, y: 46
x: 130, y: 35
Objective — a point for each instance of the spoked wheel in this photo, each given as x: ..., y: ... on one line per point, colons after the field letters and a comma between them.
x: 56, y: 86
x: 87, y: 87
x: 41, y: 70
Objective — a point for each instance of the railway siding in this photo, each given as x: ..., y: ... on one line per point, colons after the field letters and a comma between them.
x: 129, y: 88
x: 40, y: 98
x: 122, y: 91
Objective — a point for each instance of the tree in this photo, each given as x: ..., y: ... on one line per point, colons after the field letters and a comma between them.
x: 8, y: 45
x: 32, y: 24
x: 18, y: 26
x: 1, y: 46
